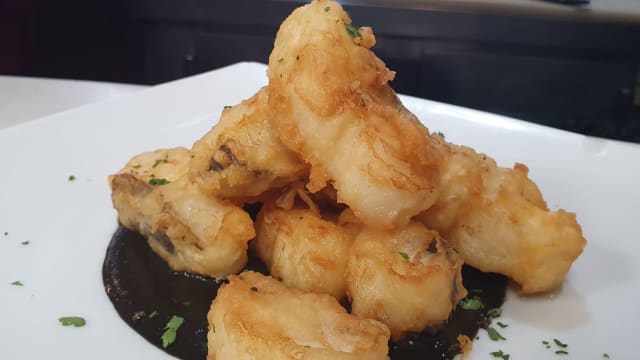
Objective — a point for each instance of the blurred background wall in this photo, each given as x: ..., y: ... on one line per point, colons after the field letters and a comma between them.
x: 571, y: 67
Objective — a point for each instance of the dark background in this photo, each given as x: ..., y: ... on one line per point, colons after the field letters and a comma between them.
x: 574, y: 68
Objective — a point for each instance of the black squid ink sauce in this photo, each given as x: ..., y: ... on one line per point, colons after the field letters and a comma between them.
x: 146, y: 293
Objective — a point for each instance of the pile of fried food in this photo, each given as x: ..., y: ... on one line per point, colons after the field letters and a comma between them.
x: 359, y: 200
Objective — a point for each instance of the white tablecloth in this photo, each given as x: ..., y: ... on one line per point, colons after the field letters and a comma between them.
x: 24, y: 98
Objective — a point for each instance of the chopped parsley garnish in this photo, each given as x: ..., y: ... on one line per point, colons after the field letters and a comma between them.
x: 327, y: 9
x: 559, y: 343
x: 546, y: 344
x: 471, y: 303
x: 155, y: 181
x: 164, y: 160
x: 72, y: 177
x: 404, y: 255
x: 494, y: 313
x: 75, y: 321
x: 561, y: 352
x: 171, y: 330
x: 494, y: 334
x: 17, y: 283
x: 153, y: 314
x: 502, y: 325
x: 25, y: 243
x: 605, y: 355
x: 500, y: 354
x: 440, y: 133
x: 229, y: 106
x: 352, y: 31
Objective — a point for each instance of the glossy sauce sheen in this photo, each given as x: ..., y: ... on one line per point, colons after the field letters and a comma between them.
x: 140, y: 284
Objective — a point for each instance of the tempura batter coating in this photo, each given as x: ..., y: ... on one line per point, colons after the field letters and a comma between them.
x: 241, y: 155
x: 332, y: 104
x: 304, y: 250
x: 189, y: 230
x: 407, y: 278
x: 256, y: 317
x: 498, y: 221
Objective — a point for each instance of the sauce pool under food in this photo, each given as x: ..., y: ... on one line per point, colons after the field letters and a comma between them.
x: 146, y: 293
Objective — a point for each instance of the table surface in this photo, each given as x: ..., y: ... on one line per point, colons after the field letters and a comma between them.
x: 25, y: 98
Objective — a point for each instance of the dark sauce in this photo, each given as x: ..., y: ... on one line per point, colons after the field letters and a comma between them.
x: 146, y: 293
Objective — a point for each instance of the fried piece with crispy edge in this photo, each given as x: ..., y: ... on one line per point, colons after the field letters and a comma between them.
x: 498, y: 221
x: 332, y: 104
x: 256, y: 317
x: 191, y: 231
x: 304, y: 249
x: 408, y: 278
x: 241, y: 156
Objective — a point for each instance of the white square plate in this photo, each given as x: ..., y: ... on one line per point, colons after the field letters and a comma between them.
x: 69, y: 223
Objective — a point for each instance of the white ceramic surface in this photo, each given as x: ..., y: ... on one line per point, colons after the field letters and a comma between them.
x: 69, y: 223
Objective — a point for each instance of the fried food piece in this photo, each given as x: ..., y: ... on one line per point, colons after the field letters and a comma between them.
x: 191, y: 231
x: 498, y: 221
x: 408, y: 278
x: 303, y: 249
x: 241, y: 156
x: 256, y: 317
x: 332, y: 104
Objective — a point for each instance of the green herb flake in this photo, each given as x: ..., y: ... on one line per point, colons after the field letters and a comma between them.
x: 229, y: 106
x: 500, y: 354
x: 137, y: 166
x: 440, y: 133
x: 17, y: 283
x: 471, y: 303
x: 280, y: 60
x: 75, y: 321
x: 494, y: 334
x: 327, y: 9
x: 494, y: 313
x: 352, y: 31
x: 404, y: 255
x: 171, y: 329
x: 153, y: 314
x: 544, y: 342
x: 502, y: 325
x: 155, y: 181
x: 25, y: 243
x: 71, y: 177
x: 559, y: 343
x: 605, y: 355
x: 561, y: 352
x: 164, y: 160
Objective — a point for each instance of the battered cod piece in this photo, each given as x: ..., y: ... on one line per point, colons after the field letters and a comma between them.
x: 189, y: 230
x: 407, y: 278
x: 304, y: 250
x: 331, y: 103
x: 498, y: 221
x: 241, y: 156
x: 255, y: 317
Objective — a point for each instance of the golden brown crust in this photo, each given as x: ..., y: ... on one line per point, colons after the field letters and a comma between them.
x: 407, y: 278
x: 498, y: 221
x: 332, y: 104
x: 256, y: 317
x: 304, y: 250
x: 241, y: 157
x: 189, y: 230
